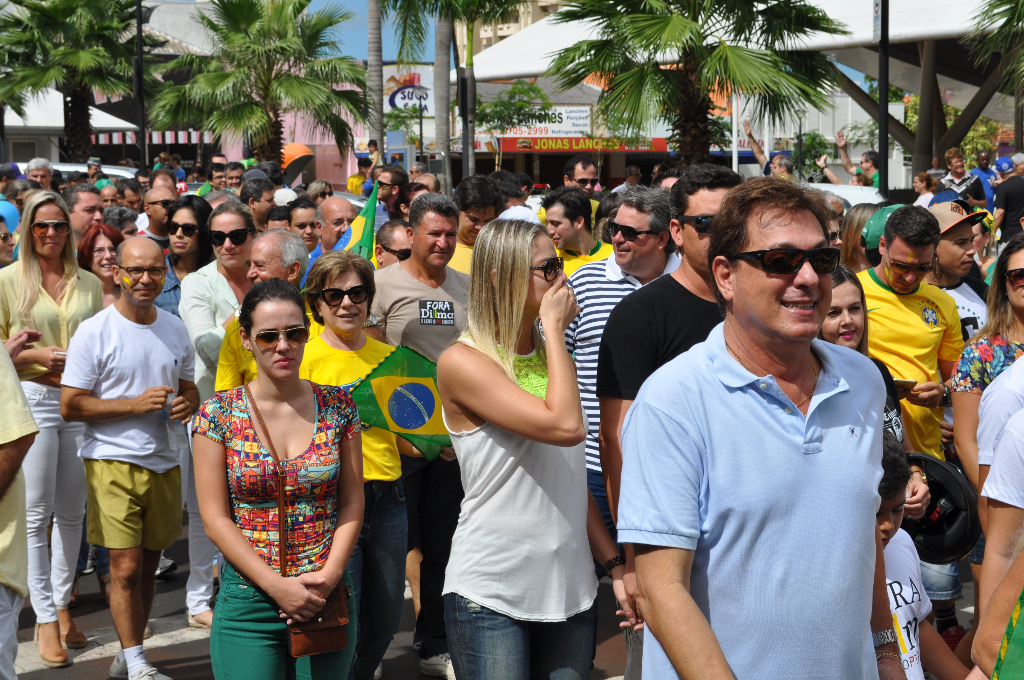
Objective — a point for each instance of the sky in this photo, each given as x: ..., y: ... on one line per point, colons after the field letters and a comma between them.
x: 353, y: 33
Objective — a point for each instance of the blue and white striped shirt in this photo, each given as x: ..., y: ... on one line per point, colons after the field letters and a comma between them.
x: 598, y: 286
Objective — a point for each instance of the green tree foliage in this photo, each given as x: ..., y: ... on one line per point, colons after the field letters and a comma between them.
x: 77, y: 46
x: 983, y: 135
x: 895, y: 93
x: 522, y: 105
x: 270, y: 58
x: 807, y: 147
x: 405, y: 119
x: 664, y: 61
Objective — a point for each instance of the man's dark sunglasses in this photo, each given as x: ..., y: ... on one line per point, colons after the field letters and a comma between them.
x: 628, y: 233
x: 551, y: 267
x: 165, y: 203
x: 335, y: 296
x: 585, y: 181
x: 187, y: 230
x: 789, y: 260
x: 1015, y: 277
x: 326, y: 193
x: 384, y: 184
x: 701, y: 223
x: 402, y: 254
x: 237, y: 236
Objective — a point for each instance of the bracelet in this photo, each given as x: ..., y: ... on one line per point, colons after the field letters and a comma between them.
x: 879, y: 655
x: 616, y: 561
x: 924, y: 477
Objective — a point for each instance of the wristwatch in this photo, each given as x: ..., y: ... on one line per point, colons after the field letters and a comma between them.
x: 885, y: 637
x: 614, y: 562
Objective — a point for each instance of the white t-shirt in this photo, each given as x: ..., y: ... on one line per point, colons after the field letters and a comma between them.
x: 1000, y: 401
x: 117, y: 359
x: 908, y: 600
x: 970, y: 306
x: 1005, y: 481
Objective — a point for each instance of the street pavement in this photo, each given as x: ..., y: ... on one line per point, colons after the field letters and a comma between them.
x: 183, y: 653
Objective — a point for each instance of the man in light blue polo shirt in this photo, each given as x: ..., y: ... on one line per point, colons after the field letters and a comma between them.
x: 751, y: 466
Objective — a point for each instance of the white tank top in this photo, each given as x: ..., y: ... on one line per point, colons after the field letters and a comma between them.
x: 521, y: 546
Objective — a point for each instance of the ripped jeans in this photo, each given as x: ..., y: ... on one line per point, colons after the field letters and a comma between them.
x: 486, y: 645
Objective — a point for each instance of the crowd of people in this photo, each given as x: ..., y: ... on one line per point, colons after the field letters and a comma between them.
x: 674, y: 386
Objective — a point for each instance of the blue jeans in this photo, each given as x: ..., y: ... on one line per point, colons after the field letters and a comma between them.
x: 377, y: 566
x: 486, y: 645
x: 941, y: 581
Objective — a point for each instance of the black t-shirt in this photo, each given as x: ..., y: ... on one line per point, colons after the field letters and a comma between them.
x: 646, y: 330
x: 892, y: 419
x: 1010, y: 197
x: 968, y: 186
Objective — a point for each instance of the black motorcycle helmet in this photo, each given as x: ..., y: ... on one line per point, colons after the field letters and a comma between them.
x: 950, y: 526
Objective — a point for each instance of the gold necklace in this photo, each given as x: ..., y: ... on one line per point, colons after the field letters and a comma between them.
x: 817, y: 372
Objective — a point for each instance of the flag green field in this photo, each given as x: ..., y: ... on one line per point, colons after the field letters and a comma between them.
x: 361, y: 242
x: 400, y: 396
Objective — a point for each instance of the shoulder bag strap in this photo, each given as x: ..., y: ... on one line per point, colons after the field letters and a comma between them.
x: 282, y: 517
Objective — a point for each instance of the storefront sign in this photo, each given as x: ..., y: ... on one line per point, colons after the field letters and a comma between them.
x: 404, y: 87
x: 577, y: 144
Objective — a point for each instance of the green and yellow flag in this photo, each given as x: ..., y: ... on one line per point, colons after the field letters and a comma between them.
x: 400, y: 396
x: 361, y: 241
x: 1010, y: 663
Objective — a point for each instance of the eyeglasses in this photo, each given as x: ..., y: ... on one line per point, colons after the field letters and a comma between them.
x: 384, y: 184
x: 60, y: 227
x: 402, y: 254
x: 835, y: 235
x: 237, y: 236
x: 6, y: 236
x: 268, y: 339
x: 135, y: 273
x: 701, y: 223
x: 628, y: 233
x: 333, y: 297
x: 104, y: 251
x: 904, y: 268
x: 790, y: 260
x: 187, y: 230
x: 551, y: 267
x: 326, y: 193
x: 166, y: 204
x: 1015, y: 277
x: 586, y: 181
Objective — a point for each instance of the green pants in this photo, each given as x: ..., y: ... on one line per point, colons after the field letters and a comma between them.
x: 249, y: 640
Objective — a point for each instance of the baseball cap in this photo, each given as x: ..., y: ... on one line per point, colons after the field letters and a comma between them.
x: 103, y: 183
x: 1017, y: 158
x: 953, y: 213
x: 251, y: 174
x: 875, y: 226
x: 519, y: 212
x: 94, y: 160
x: 1003, y: 164
x: 943, y: 197
x: 284, y: 196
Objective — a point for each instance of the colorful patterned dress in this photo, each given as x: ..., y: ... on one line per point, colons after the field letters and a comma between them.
x: 311, y: 498
x: 982, y: 361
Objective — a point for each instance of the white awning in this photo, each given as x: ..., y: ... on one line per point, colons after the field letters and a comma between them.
x: 44, y: 115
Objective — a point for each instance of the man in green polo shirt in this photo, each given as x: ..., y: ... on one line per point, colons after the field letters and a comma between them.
x: 215, y: 182
x: 869, y: 161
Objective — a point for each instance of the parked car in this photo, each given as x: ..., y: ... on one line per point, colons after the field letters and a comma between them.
x: 852, y: 194
x: 118, y: 171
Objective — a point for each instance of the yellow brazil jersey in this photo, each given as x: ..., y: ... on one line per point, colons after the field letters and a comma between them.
x: 542, y: 214
x: 355, y: 184
x: 326, y: 365
x: 236, y: 365
x: 462, y: 260
x: 910, y: 334
x: 573, y: 261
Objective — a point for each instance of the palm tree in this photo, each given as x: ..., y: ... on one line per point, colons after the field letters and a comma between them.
x: 270, y: 58
x: 77, y: 46
x: 375, y: 73
x: 662, y: 61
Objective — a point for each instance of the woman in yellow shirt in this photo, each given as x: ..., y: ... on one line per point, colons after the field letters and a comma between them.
x: 46, y: 290
x: 339, y: 291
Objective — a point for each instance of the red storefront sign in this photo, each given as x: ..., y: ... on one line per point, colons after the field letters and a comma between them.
x: 577, y: 144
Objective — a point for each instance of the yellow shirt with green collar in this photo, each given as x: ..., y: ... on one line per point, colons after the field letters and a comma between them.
x: 910, y: 334
x: 573, y: 261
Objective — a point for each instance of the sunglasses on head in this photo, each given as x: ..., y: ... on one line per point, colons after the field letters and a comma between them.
x: 268, y: 339
x: 904, y: 268
x: 790, y: 260
x: 237, y: 236
x: 59, y: 227
x: 333, y: 297
x: 551, y: 267
x: 402, y: 254
x: 628, y: 233
x: 187, y: 230
x: 701, y: 223
x: 1015, y: 277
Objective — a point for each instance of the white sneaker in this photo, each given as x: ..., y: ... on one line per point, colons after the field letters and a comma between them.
x: 379, y: 672
x: 119, y: 670
x: 147, y: 673
x: 439, y: 666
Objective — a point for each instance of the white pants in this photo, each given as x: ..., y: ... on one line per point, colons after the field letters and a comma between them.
x: 10, y: 609
x: 54, y: 486
x: 201, y: 550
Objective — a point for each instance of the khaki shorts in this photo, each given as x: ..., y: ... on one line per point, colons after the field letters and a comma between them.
x: 131, y: 506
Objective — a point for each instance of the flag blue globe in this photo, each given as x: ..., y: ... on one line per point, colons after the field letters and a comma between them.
x: 411, y: 405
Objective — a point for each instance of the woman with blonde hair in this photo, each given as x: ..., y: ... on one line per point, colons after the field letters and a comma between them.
x: 47, y: 291
x: 319, y: 191
x: 520, y: 586
x: 853, y: 250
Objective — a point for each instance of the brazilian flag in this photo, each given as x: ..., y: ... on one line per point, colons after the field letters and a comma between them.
x: 361, y: 231
x: 400, y: 396
x: 1010, y: 663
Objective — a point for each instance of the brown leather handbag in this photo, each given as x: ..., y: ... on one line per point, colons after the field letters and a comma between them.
x: 326, y: 631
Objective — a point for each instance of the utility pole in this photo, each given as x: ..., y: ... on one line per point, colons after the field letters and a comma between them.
x: 141, y: 17
x: 882, y: 8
